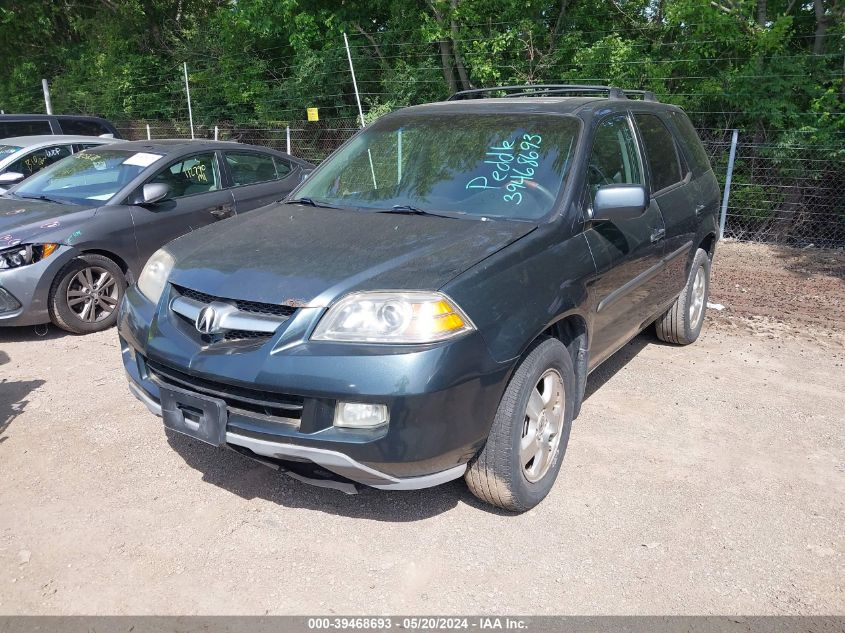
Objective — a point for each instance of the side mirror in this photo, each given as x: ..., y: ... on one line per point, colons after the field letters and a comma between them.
x: 154, y: 192
x: 10, y: 178
x: 620, y: 202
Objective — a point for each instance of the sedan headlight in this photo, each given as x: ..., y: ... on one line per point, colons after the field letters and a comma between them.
x: 24, y: 254
x: 393, y: 317
x: 153, y: 278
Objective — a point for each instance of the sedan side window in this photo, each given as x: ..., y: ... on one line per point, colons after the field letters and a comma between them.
x: 249, y: 168
x: 39, y: 159
x: 188, y: 177
x: 614, y: 159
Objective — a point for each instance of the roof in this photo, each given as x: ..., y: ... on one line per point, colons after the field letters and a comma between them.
x: 176, y: 145
x: 49, y: 139
x: 24, y: 117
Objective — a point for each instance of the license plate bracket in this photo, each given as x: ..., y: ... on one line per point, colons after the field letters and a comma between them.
x: 201, y: 417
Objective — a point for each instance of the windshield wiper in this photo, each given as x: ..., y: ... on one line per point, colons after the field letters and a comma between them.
x: 311, y: 203
x: 407, y: 209
x: 44, y: 198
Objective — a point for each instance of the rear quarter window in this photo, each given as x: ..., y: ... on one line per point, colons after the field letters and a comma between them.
x: 83, y: 128
x: 24, y: 128
x: 695, y: 152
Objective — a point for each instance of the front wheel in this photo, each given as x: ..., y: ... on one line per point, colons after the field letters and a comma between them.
x: 520, y: 461
x: 85, y: 294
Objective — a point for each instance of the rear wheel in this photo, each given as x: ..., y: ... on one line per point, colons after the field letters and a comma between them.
x: 520, y: 461
x: 682, y: 323
x: 85, y: 294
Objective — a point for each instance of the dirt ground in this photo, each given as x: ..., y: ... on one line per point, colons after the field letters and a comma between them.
x: 700, y: 480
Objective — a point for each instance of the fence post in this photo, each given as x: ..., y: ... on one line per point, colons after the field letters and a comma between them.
x: 287, y: 139
x: 47, y: 101
x: 188, y: 93
x: 354, y: 81
x: 148, y: 132
x: 727, y: 193
x: 216, y: 132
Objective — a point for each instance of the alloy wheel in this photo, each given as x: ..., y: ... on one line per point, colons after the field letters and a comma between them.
x: 541, y: 429
x: 92, y: 294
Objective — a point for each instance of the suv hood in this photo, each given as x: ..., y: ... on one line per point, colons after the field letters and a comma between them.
x: 23, y: 221
x: 305, y: 256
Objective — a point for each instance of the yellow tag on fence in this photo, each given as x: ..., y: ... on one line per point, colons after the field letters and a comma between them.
x: 313, y: 114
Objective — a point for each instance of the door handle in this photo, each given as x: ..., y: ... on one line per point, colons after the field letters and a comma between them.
x: 699, y: 208
x: 222, y: 212
x: 657, y: 235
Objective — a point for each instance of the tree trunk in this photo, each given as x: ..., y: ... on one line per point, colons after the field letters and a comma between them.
x: 446, y: 60
x: 762, y: 12
x: 456, y: 49
x: 821, y: 27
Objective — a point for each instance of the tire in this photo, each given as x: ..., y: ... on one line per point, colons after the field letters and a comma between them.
x: 496, y: 474
x: 86, y: 283
x: 682, y: 323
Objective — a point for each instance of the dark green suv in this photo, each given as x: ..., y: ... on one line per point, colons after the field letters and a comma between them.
x: 429, y: 302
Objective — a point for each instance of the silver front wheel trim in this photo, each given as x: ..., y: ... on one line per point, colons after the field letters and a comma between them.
x: 542, y: 426
x: 92, y: 294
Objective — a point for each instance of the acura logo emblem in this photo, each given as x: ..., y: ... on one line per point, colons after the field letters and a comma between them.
x: 205, y: 322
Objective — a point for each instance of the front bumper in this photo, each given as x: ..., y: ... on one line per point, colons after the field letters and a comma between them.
x: 441, y: 398
x: 29, y: 286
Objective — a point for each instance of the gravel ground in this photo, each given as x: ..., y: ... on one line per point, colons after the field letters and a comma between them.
x: 700, y: 480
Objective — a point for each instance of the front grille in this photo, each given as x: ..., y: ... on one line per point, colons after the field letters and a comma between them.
x: 246, y: 306
x: 246, y: 335
x: 269, y: 405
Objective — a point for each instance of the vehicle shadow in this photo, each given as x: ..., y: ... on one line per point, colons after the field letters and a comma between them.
x: 609, y: 368
x: 13, y: 398
x: 24, y: 333
x: 248, y: 479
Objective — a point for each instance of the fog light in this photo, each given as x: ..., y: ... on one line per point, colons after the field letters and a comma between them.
x: 7, y: 302
x: 359, y: 415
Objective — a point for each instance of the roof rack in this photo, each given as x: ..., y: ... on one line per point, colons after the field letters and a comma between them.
x: 545, y: 90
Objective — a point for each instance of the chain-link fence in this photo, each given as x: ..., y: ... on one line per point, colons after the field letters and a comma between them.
x: 788, y: 193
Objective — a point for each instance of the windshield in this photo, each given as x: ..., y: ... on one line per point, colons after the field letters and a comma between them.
x: 490, y: 165
x: 88, y: 177
x: 8, y: 150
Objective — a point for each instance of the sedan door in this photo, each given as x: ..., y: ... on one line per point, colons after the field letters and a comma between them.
x: 196, y: 198
x: 259, y: 179
x: 38, y: 159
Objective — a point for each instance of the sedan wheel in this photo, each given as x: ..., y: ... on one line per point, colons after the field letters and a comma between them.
x: 92, y: 294
x: 86, y: 293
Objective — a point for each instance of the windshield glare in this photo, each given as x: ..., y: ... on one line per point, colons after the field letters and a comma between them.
x: 487, y: 165
x: 8, y: 150
x: 92, y: 176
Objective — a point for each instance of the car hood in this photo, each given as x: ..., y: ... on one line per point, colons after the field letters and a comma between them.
x: 305, y: 256
x: 24, y: 221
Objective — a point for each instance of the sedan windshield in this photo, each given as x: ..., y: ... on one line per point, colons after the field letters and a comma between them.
x: 482, y: 165
x: 92, y: 176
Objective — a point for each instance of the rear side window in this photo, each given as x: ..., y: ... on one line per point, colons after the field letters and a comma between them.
x: 662, y: 155
x: 39, y: 159
x: 248, y: 168
x: 695, y: 151
x: 83, y: 128
x: 24, y: 128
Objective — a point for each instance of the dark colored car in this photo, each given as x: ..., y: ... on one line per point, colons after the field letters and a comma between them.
x: 74, y: 233
x: 37, y: 124
x: 429, y: 303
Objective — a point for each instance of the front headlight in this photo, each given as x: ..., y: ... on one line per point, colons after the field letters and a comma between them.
x: 24, y: 254
x: 153, y: 278
x: 393, y: 317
